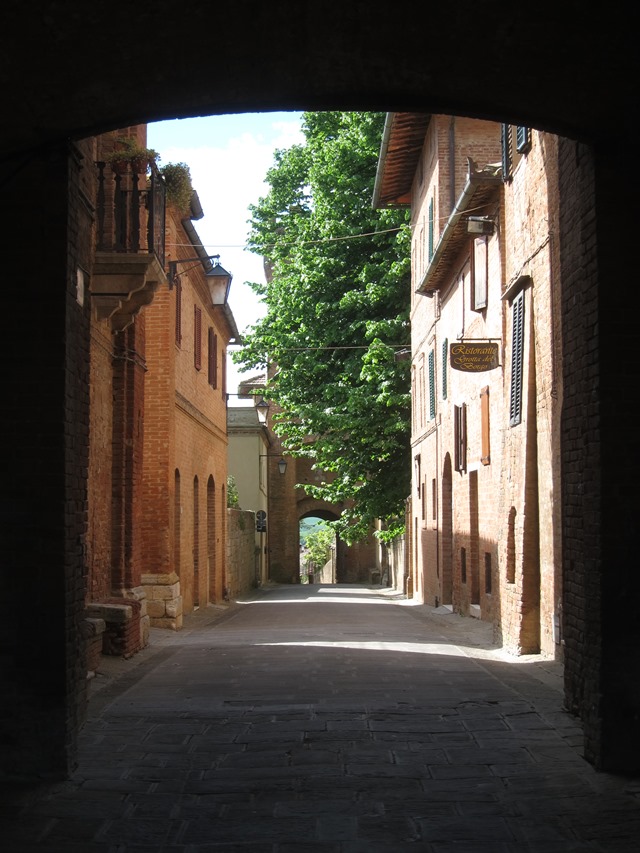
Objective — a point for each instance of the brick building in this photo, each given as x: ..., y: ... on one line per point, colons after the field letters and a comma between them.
x: 155, y: 543
x: 484, y: 519
x: 248, y: 464
x: 189, y: 326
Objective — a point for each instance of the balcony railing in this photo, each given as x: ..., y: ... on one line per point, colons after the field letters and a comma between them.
x: 131, y: 209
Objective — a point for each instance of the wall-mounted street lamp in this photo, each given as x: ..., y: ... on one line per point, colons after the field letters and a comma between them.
x: 480, y: 225
x: 262, y: 410
x: 218, y: 278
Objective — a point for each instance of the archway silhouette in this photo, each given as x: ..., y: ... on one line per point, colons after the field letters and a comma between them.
x: 543, y: 67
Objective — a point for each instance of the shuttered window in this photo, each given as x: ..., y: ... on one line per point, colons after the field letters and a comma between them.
x: 432, y: 385
x: 516, y: 141
x: 484, y: 415
x: 213, y: 358
x: 197, y: 337
x: 517, y: 355
x: 523, y: 139
x: 506, y: 151
x: 460, y: 437
x: 445, y: 364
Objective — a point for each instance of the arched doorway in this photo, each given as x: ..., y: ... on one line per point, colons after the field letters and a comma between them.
x: 318, y: 551
x: 447, y: 532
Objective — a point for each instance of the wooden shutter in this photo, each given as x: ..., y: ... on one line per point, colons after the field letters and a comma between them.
x: 484, y: 407
x: 213, y: 358
x: 506, y: 151
x: 432, y: 385
x: 523, y: 139
x: 178, y: 286
x: 445, y: 363
x: 517, y: 353
x: 460, y: 437
x: 197, y: 337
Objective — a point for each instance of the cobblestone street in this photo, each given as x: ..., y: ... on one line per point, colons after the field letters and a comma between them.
x: 328, y: 719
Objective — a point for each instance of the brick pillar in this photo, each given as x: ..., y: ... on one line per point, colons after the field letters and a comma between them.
x: 128, y: 436
x: 601, y: 582
x: 44, y: 352
x: 127, y: 484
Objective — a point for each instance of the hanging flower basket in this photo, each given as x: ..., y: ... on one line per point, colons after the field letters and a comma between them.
x: 129, y: 156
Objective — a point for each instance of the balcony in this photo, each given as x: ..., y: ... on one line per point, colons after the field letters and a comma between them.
x: 130, y: 251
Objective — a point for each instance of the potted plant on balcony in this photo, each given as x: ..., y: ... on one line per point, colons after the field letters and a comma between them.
x: 177, y: 178
x: 127, y: 151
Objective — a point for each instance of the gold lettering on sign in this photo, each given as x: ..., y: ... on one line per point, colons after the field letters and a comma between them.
x: 474, y: 357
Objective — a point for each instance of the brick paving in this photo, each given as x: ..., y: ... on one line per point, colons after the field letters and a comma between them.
x: 334, y: 720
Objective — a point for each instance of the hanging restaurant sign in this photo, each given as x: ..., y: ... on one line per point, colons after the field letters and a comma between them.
x: 474, y: 357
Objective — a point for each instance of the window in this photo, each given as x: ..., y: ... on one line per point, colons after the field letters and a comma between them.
x: 517, y: 354
x: 516, y: 141
x: 421, y: 393
x: 178, y: 286
x: 434, y: 500
x: 445, y: 362
x: 212, y: 361
x: 415, y: 396
x: 505, y: 138
x: 523, y: 139
x: 197, y: 337
x: 432, y: 385
x: 463, y: 565
x: 487, y: 573
x: 479, y: 273
x: 460, y: 437
x: 484, y: 416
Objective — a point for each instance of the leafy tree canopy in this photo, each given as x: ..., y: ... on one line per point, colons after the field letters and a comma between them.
x: 337, y: 300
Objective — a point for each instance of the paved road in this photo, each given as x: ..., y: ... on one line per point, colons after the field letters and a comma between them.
x: 333, y: 720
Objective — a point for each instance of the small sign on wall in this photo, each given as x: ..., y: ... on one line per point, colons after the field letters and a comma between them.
x: 474, y: 357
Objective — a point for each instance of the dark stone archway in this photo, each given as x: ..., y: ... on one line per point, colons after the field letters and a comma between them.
x: 69, y: 72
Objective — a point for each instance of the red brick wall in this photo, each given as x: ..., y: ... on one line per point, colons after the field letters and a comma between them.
x: 185, y: 427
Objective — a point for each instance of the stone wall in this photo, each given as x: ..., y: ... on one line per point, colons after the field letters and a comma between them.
x: 241, y: 553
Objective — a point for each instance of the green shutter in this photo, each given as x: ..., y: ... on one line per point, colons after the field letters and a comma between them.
x: 523, y: 139
x: 432, y: 385
x: 517, y: 354
x: 506, y: 151
x: 445, y: 353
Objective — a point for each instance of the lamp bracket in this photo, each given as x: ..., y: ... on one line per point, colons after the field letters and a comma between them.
x: 173, y: 266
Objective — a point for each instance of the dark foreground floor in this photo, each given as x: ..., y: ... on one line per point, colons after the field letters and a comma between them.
x: 332, y: 720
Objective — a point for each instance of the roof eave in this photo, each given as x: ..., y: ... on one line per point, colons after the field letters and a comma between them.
x: 479, y: 189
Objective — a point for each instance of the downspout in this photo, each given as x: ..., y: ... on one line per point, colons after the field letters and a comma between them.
x: 452, y: 162
x: 474, y: 178
x: 384, y: 147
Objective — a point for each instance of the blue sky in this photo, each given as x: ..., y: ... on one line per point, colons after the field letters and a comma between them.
x: 228, y: 157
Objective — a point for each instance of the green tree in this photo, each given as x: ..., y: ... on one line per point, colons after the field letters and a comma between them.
x: 233, y: 499
x: 337, y: 300
x: 318, y: 546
